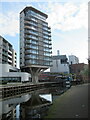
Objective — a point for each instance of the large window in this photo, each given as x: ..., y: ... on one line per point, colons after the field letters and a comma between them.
x: 47, y: 58
x: 31, y: 61
x: 37, y: 15
x: 32, y: 56
x: 32, y: 46
x: 45, y: 36
x: 46, y: 45
x: 32, y: 51
x: 46, y: 63
x: 47, y: 54
x: 10, y: 79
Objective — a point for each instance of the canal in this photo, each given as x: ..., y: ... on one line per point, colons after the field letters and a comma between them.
x: 34, y: 104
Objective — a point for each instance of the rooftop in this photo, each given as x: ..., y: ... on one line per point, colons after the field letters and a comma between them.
x: 35, y: 10
x: 59, y: 57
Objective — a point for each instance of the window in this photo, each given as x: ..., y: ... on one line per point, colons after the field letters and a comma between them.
x: 47, y: 54
x: 10, y: 79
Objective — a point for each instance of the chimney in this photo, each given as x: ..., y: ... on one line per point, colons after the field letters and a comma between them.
x: 58, y: 53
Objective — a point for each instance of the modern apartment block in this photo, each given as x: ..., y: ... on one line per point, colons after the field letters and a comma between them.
x: 7, y: 53
x: 35, y: 41
x: 73, y: 59
x: 60, y: 64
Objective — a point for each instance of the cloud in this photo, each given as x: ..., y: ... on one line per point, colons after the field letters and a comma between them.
x: 45, y: 1
x: 64, y: 17
x: 9, y: 24
x: 68, y: 16
x: 19, y: 0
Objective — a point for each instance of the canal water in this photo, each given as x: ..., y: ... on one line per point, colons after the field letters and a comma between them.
x: 29, y: 105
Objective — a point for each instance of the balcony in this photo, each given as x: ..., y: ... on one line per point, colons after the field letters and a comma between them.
x: 31, y: 47
x: 28, y: 42
x: 34, y: 52
x: 31, y: 32
x: 9, y: 56
x: 30, y: 62
x: 5, y: 53
x: 31, y: 57
x: 31, y: 37
x: 10, y: 61
x: 30, y: 19
x: 30, y: 24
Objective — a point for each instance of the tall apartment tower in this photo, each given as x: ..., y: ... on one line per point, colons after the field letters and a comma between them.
x: 35, y: 42
x: 7, y: 53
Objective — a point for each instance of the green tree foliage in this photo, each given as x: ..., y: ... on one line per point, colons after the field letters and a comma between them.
x: 85, y: 71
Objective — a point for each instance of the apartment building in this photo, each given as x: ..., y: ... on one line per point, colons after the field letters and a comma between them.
x: 60, y: 64
x: 35, y: 41
x: 7, y: 53
x: 73, y: 59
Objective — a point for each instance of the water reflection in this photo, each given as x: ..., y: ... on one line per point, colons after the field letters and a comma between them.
x: 18, y: 111
x: 35, y: 107
x: 8, y: 110
x: 31, y: 105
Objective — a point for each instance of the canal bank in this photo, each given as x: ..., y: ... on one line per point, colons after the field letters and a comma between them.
x: 29, y: 105
x: 17, y: 89
x: 72, y: 104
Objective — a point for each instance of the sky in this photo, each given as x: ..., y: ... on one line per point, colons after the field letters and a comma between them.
x: 68, y: 20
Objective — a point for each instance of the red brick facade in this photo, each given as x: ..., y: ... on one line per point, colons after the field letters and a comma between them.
x: 77, y: 68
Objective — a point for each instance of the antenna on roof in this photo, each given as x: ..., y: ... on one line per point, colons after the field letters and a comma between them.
x: 58, y: 53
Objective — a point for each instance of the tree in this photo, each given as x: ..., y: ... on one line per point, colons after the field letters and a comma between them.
x: 85, y: 73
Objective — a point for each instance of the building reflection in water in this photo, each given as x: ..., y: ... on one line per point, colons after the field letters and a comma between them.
x: 35, y: 107
x: 8, y: 111
x: 29, y: 105
x: 25, y: 107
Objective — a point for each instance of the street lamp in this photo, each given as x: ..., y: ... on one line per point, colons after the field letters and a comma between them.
x: 89, y: 69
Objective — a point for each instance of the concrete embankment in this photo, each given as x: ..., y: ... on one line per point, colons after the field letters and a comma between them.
x: 17, y: 89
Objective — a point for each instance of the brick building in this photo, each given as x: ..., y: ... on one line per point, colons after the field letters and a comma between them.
x: 77, y: 68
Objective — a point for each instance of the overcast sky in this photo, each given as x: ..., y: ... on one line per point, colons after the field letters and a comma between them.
x: 68, y: 20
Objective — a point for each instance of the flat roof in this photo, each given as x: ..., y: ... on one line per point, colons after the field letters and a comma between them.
x: 59, y: 57
x: 5, y: 40
x: 35, y: 10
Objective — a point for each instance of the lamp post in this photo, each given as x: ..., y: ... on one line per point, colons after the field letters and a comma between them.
x: 89, y: 69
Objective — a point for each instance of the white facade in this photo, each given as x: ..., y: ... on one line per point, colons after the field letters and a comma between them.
x: 60, y: 64
x: 14, y: 58
x: 13, y: 102
x: 73, y: 59
x: 7, y: 72
x: 7, y: 53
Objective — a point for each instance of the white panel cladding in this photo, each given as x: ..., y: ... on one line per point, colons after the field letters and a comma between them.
x: 1, y: 50
x: 10, y: 61
x: 4, y: 72
x: 23, y: 75
x: 14, y: 58
x: 73, y: 59
x: 7, y: 67
x: 6, y: 52
x: 58, y: 67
